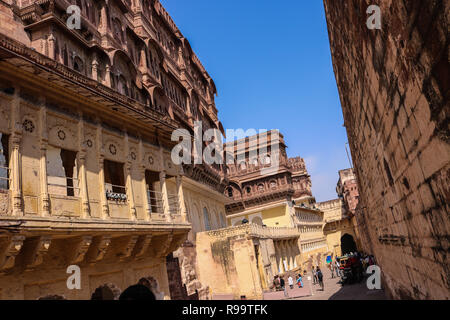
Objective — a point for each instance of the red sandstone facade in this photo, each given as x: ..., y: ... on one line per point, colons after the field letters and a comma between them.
x: 265, y: 177
x: 347, y: 190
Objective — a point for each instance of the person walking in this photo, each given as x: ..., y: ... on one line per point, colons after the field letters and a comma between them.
x: 332, y: 270
x: 314, y: 271
x: 276, y: 283
x: 299, y: 281
x: 283, y: 286
x: 338, y: 266
x: 320, y: 278
x: 291, y: 282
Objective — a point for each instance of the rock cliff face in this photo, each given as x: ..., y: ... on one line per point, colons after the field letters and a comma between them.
x: 394, y: 89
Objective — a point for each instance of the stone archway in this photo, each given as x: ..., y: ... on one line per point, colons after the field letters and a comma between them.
x: 107, y: 291
x: 348, y: 244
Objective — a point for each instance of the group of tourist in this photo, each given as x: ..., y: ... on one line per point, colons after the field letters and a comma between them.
x: 280, y: 285
x: 364, y: 261
x: 317, y: 277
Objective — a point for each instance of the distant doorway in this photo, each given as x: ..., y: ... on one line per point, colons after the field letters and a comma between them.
x: 348, y: 244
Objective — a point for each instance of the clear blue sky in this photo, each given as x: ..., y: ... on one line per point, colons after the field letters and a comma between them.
x: 272, y: 67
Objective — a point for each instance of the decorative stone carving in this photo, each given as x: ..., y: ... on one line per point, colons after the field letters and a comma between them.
x: 78, y: 249
x: 164, y: 251
x: 39, y: 247
x: 126, y: 253
x: 28, y: 125
x: 11, y: 249
x: 61, y: 135
x: 142, y: 246
x: 112, y: 149
x: 98, y: 249
x: 89, y: 143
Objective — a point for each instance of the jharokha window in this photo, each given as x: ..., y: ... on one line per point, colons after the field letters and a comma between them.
x: 114, y: 180
x: 4, y: 162
x: 62, y: 172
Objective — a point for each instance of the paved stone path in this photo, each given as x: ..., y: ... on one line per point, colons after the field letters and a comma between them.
x: 335, y: 291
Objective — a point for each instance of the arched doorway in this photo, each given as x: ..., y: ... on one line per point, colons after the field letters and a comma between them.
x: 347, y: 244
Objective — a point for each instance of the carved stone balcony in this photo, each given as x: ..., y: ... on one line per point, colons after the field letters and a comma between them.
x: 256, y: 231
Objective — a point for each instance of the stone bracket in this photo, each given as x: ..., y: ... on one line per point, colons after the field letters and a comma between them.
x: 98, y: 249
x: 9, y: 250
x: 142, y: 245
x: 38, y: 248
x: 130, y: 245
x: 78, y: 247
x: 165, y: 249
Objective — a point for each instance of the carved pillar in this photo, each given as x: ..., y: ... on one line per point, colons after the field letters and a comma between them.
x: 108, y: 75
x: 165, y: 196
x: 95, y: 69
x: 45, y: 198
x: 129, y: 183
x: 86, y: 210
x: 16, y: 163
x: 101, y: 176
x: 182, y: 205
x: 143, y: 61
x: 130, y: 193
x: 144, y: 182
x: 101, y: 172
x: 278, y: 257
x: 284, y: 256
x: 290, y: 254
x: 85, y: 207
x: 15, y: 174
x: 188, y: 106
x: 51, y: 46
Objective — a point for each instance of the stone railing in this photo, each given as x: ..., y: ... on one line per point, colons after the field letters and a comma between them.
x: 256, y: 231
